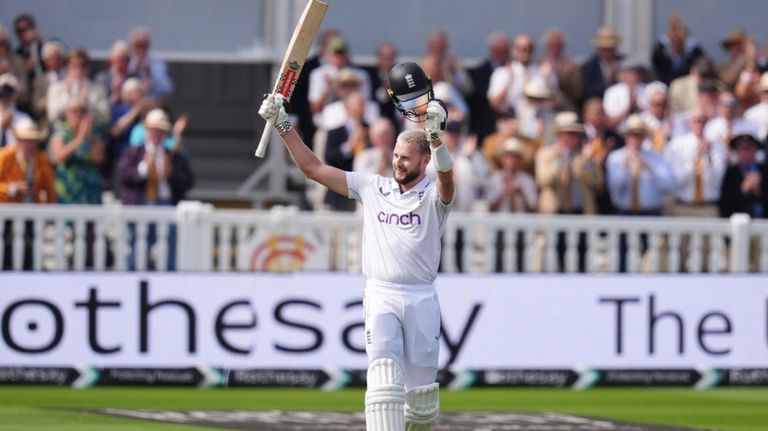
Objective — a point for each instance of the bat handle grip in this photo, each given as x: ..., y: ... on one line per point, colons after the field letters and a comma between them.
x: 261, y: 150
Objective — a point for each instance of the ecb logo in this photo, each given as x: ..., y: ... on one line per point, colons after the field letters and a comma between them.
x: 409, y: 81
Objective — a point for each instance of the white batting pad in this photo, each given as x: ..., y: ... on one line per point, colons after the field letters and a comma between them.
x: 422, y: 406
x: 385, y: 396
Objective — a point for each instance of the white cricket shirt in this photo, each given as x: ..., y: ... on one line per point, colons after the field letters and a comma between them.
x: 401, y: 231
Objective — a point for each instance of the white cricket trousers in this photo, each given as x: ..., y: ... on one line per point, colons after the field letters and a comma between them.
x: 402, y: 322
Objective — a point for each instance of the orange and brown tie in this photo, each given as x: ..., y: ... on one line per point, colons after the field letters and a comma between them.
x: 634, y: 204
x: 153, y: 181
x: 698, y: 180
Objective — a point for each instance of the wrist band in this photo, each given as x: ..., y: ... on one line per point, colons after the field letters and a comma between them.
x: 442, y: 158
x: 283, y: 128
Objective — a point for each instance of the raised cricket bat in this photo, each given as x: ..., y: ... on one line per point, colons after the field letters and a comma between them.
x: 301, y: 42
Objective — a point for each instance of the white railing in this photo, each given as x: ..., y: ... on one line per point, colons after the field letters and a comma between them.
x: 195, y: 237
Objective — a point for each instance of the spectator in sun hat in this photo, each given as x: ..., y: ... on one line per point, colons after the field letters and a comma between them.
x: 735, y: 44
x: 536, y: 113
x: 25, y: 170
x: 745, y: 185
x: 602, y: 69
x: 152, y: 174
x: 510, y: 188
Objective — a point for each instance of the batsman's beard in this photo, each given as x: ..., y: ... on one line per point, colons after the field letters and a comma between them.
x: 404, y: 176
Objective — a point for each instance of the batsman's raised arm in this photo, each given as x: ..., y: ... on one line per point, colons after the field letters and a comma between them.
x: 437, y: 115
x: 272, y: 108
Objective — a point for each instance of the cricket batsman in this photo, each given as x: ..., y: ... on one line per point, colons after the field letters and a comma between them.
x: 403, y: 220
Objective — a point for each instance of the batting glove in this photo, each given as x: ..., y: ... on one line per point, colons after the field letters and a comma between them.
x: 437, y: 114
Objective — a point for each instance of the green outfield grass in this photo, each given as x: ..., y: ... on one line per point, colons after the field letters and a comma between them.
x: 36, y: 408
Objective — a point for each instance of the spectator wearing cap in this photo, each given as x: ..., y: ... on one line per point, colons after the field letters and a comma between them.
x: 511, y: 189
x: 55, y: 61
x: 322, y: 79
x: 152, y: 174
x: 117, y: 73
x: 602, y: 69
x: 151, y: 70
x: 335, y: 114
x: 627, y: 96
x: 10, y: 116
x: 745, y: 187
x: 675, y: 51
x: 567, y: 178
x: 25, y: 170
x: 482, y: 120
x: 758, y: 114
x: 565, y: 68
x: 386, y: 59
x: 377, y: 159
x: 735, y: 44
x: 344, y: 143
x: 505, y: 91
x: 11, y: 62
x: 657, y: 117
x: 78, y: 152
x: 728, y: 122
x: 77, y: 84
x: 638, y: 178
x: 684, y: 91
x: 536, y: 114
x: 698, y: 165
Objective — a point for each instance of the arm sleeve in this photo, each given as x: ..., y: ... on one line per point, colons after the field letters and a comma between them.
x: 357, y: 183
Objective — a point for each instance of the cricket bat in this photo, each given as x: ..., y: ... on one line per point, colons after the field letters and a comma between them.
x: 301, y: 41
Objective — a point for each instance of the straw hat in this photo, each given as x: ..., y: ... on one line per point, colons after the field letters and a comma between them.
x: 537, y: 88
x: 26, y: 130
x: 606, y: 38
x: 348, y: 76
x: 735, y: 37
x: 512, y: 145
x: 9, y: 80
x: 158, y: 119
x: 568, y: 122
x: 635, y: 125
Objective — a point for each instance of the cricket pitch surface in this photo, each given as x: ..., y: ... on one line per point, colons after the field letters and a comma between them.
x: 334, y: 421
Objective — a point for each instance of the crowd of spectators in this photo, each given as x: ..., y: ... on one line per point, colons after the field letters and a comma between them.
x: 69, y: 133
x: 529, y: 131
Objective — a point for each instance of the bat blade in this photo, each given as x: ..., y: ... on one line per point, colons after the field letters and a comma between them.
x: 303, y: 36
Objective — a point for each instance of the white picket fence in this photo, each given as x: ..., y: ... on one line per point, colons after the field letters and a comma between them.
x: 120, y: 238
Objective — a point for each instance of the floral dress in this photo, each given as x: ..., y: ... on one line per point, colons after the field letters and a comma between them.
x: 78, y: 180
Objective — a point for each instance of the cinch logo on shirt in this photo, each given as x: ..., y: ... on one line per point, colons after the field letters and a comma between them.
x: 399, y: 219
